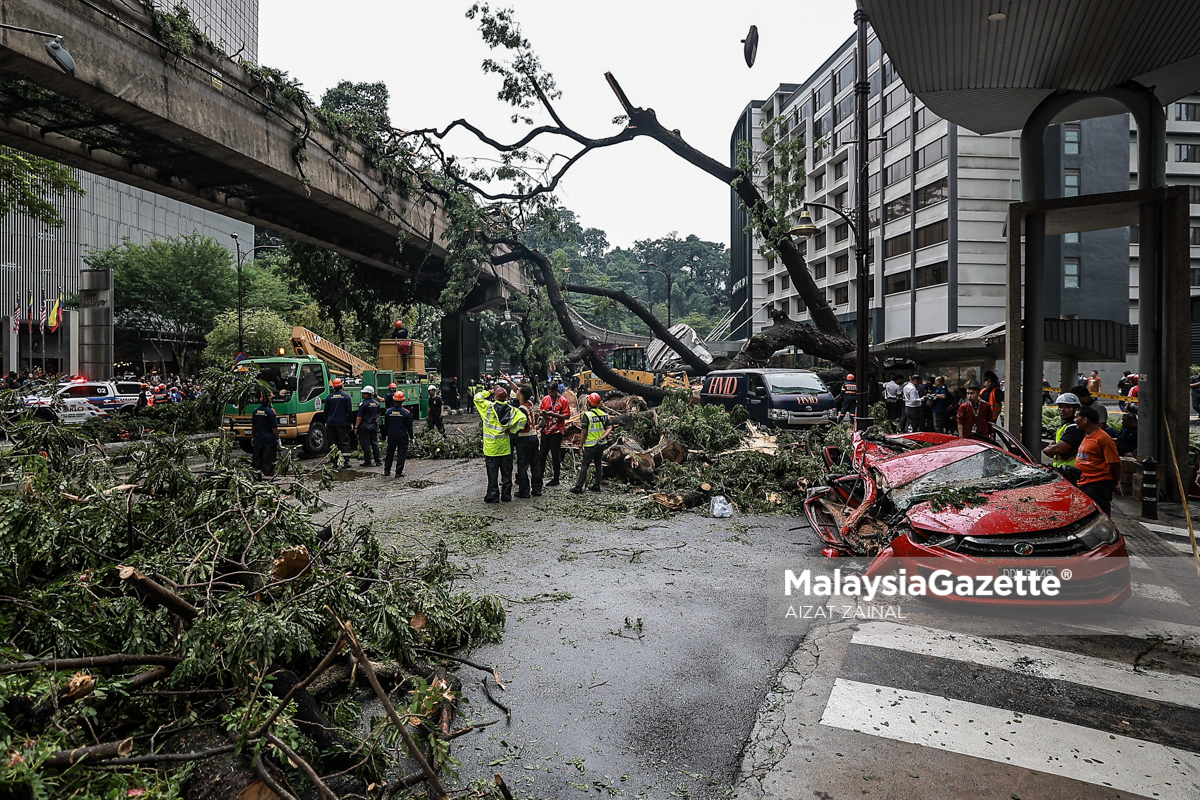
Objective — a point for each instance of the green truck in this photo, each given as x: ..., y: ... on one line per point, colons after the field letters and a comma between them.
x: 301, y: 384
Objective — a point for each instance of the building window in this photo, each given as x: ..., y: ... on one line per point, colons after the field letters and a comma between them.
x: 818, y: 213
x: 1196, y: 277
x: 841, y: 232
x: 898, y: 171
x: 1070, y: 238
x: 1187, y: 112
x: 770, y: 286
x: 900, y: 282
x: 824, y: 95
x: 932, y: 193
x: 873, y: 216
x: 873, y: 183
x: 932, y: 234
x: 894, y: 99
x: 843, y: 109
x: 821, y: 126
x: 783, y: 305
x: 839, y: 170
x: 933, y: 274
x: 1194, y: 195
x: 784, y: 282
x: 923, y: 118
x: 1134, y: 233
x: 897, y: 245
x: 841, y: 264
x: 873, y: 110
x: 839, y: 200
x: 1071, y: 140
x: 1195, y: 237
x: 1071, y: 183
x: 933, y: 152
x: 900, y: 207
x: 897, y: 133
x: 1187, y: 152
x: 819, y: 271
x: 819, y: 240
x: 1070, y: 273
x: 843, y: 78
x: 841, y: 295
x: 889, y: 73
x: 819, y: 182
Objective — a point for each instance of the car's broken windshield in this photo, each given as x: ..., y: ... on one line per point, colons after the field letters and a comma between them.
x: 987, y: 470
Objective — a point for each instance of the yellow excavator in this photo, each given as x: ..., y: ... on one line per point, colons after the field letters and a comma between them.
x: 630, y: 362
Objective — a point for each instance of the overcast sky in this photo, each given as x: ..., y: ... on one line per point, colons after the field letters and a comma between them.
x: 683, y: 58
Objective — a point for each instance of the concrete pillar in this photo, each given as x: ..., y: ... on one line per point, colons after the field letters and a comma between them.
x: 1068, y: 371
x: 72, y: 340
x: 460, y: 348
x: 12, y: 346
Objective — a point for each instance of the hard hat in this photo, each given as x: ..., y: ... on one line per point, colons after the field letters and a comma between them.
x: 368, y: 390
x: 500, y: 393
x: 1067, y: 399
x: 398, y: 324
x: 337, y: 383
x: 398, y: 397
x: 162, y: 386
x: 391, y: 386
x: 594, y: 399
x: 433, y: 390
x: 850, y: 377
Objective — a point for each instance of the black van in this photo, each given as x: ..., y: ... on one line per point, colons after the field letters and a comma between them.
x: 784, y: 398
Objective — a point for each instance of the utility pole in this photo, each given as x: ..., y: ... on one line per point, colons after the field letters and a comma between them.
x: 862, y: 240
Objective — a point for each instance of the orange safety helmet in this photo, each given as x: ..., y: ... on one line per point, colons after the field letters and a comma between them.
x: 391, y: 386
x: 850, y: 377
x: 398, y: 396
x: 594, y: 399
x: 337, y: 383
x: 162, y: 387
x: 398, y: 325
x: 500, y: 393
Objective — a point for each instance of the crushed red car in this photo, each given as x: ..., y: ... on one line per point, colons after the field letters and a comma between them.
x: 940, y: 502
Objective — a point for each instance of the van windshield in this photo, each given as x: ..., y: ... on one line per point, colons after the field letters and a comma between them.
x: 796, y: 383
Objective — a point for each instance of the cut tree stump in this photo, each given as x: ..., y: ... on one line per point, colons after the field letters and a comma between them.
x: 628, y: 458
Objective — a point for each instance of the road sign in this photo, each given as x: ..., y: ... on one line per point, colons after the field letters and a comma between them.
x: 239, y: 358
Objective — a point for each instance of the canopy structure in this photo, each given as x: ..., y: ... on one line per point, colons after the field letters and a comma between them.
x: 989, y: 75
x: 1080, y: 339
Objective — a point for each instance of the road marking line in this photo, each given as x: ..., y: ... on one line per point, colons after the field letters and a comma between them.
x: 1138, y: 563
x: 1183, y: 547
x: 1167, y: 529
x: 1143, y: 628
x: 1162, y: 594
x: 1035, y: 743
x: 1027, y: 659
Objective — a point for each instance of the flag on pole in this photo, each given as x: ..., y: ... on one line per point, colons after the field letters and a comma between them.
x: 42, y: 321
x: 17, y: 316
x: 56, y: 313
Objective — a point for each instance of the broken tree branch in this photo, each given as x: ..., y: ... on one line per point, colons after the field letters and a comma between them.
x: 113, y: 660
x: 304, y: 767
x: 151, y: 589
x: 66, y: 758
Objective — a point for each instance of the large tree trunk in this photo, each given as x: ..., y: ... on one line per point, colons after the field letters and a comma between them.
x: 577, y: 340
x: 784, y: 333
x: 660, y: 331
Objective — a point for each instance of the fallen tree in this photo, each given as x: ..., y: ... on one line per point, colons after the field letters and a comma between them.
x: 156, y: 616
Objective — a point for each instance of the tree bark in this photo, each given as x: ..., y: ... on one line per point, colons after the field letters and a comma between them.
x: 660, y: 331
x: 576, y: 339
x: 837, y: 348
x: 150, y: 589
x: 113, y: 660
x: 97, y: 752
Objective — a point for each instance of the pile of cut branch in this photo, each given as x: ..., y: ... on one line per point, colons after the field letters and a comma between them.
x: 170, y: 626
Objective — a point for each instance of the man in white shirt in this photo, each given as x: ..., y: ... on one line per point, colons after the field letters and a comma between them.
x: 911, y: 421
x: 892, y: 399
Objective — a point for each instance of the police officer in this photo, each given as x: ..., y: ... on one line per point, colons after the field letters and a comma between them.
x: 337, y: 420
x: 598, y: 427
x: 367, y: 426
x: 499, y: 420
x: 398, y: 428
x: 265, y: 425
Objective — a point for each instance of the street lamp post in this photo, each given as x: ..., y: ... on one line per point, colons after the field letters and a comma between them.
x: 240, y: 307
x: 666, y: 274
x: 54, y: 48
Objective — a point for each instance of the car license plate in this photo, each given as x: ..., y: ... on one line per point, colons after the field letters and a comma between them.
x: 1012, y: 572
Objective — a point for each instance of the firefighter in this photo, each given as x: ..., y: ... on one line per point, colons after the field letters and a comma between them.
x: 849, y: 399
x: 367, y: 427
x: 398, y: 429
x: 597, y: 429
x: 388, y: 399
x: 499, y: 420
x: 265, y: 425
x: 337, y: 421
x: 400, y: 330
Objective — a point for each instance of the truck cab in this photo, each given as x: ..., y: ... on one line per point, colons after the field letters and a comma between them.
x: 301, y: 383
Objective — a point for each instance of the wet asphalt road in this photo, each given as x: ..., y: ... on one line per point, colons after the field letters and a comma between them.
x: 636, y: 657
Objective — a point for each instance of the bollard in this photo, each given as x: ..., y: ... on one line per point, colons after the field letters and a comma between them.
x: 1149, y: 488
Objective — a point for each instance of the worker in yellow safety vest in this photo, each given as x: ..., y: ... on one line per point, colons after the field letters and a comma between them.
x: 499, y: 420
x: 598, y: 427
x: 1068, y: 436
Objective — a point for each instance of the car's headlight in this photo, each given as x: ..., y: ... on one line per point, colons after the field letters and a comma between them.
x: 226, y: 422
x: 776, y: 413
x: 285, y: 420
x: 1099, y: 532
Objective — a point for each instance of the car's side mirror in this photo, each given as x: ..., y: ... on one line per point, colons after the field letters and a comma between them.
x: 761, y: 391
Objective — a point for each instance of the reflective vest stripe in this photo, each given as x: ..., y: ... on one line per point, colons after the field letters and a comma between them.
x: 595, y: 426
x: 1061, y: 461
